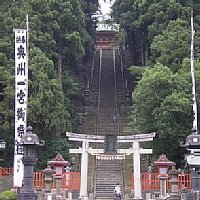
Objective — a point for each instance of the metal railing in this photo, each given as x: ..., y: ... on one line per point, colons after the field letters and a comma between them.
x: 119, y: 119
x: 97, y: 120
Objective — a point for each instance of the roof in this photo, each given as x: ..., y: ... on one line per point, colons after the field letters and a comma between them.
x: 163, y: 161
x: 103, y: 26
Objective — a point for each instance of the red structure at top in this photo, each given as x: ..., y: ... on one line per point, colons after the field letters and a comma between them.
x: 106, y: 35
x: 105, y: 39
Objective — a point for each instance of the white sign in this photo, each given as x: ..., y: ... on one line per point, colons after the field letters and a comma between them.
x: 110, y: 157
x: 21, y: 92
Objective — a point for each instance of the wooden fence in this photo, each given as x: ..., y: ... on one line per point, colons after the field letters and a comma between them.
x: 71, y: 180
x: 150, y: 181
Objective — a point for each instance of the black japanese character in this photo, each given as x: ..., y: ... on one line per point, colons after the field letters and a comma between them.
x: 20, y: 130
x: 23, y: 39
x: 20, y: 114
x: 20, y: 39
x: 21, y: 96
x: 21, y: 83
x: 20, y: 150
x: 21, y: 69
x: 21, y: 52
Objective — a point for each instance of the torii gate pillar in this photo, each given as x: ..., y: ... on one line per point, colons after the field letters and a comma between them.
x: 84, y: 171
x: 136, y: 168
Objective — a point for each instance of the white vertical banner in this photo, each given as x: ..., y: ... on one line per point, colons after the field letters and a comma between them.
x: 21, y: 93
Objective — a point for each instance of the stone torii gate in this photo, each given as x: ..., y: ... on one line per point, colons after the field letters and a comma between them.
x: 135, y: 150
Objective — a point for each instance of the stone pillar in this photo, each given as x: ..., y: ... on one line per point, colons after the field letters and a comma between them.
x: 39, y: 193
x: 162, y: 185
x: 195, y: 184
x: 136, y: 165
x: 174, y: 193
x: 58, y: 186
x: 84, y: 171
x: 196, y: 195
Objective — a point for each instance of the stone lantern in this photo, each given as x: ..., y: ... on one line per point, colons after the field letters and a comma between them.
x: 162, y: 164
x: 174, y: 181
x: 29, y: 141
x: 192, y: 144
x: 58, y: 164
x: 48, y: 178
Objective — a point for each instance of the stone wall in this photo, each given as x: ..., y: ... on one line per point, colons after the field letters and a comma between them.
x: 6, y: 183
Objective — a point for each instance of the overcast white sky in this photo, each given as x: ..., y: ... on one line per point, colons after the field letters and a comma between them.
x: 105, y: 6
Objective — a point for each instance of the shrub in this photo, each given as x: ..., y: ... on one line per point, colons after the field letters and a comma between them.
x: 7, y: 195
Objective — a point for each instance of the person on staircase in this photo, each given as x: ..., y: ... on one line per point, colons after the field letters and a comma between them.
x: 115, y: 118
x: 117, y: 191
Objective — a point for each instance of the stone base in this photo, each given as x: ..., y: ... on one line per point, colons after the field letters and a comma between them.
x: 83, y: 198
x: 28, y: 196
x: 59, y: 197
x: 175, y: 197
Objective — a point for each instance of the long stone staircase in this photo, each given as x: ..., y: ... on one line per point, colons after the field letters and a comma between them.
x: 107, y: 97
x: 108, y: 173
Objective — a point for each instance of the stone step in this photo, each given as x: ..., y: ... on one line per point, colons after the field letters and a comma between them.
x: 107, y: 173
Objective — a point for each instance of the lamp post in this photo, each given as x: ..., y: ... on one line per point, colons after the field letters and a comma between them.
x: 162, y: 164
x: 58, y: 164
x: 2, y: 146
x: 29, y: 141
x: 149, y: 173
x: 67, y: 170
x: 192, y: 144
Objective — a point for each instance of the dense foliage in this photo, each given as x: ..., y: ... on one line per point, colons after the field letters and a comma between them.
x: 7, y: 195
x: 61, y: 40
x: 158, y: 37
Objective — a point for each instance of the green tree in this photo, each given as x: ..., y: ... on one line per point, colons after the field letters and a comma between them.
x: 46, y: 101
x: 172, y: 45
x: 58, y: 37
x: 163, y: 103
x: 145, y: 20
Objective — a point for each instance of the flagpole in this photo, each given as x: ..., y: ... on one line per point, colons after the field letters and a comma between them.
x: 27, y: 51
x: 193, y: 76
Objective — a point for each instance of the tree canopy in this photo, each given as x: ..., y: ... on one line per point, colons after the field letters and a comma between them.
x: 159, y: 41
x: 61, y: 45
